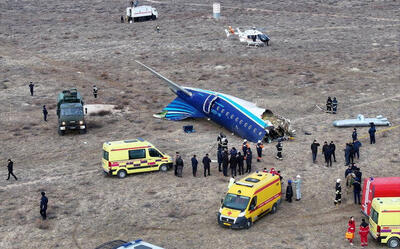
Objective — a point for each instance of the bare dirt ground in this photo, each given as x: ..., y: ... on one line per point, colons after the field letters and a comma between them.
x: 347, y: 49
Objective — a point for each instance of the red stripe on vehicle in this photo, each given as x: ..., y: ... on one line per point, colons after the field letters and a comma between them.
x: 266, y: 186
x: 133, y: 148
x: 391, y: 211
x: 265, y: 202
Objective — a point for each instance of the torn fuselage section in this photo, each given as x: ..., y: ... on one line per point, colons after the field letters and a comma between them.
x: 278, y: 126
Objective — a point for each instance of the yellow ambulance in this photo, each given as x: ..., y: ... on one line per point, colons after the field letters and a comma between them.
x: 133, y: 156
x: 384, y: 220
x: 249, y: 199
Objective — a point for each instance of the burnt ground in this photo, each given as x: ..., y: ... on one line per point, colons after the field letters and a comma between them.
x: 347, y: 49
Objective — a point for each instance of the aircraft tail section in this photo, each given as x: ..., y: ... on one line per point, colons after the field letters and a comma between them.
x: 179, y: 109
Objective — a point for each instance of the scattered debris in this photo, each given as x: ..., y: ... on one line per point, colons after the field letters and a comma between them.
x: 361, y: 121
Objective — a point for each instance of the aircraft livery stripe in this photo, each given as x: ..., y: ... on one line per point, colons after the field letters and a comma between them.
x: 259, y: 121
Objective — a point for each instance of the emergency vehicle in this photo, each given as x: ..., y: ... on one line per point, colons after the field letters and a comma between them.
x: 378, y: 187
x: 385, y: 220
x: 133, y: 156
x: 249, y: 199
x: 141, y: 13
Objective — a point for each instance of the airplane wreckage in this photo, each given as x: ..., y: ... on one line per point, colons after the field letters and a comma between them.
x: 361, y: 121
x: 239, y: 116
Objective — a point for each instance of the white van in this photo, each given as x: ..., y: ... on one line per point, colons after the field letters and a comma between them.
x: 141, y: 13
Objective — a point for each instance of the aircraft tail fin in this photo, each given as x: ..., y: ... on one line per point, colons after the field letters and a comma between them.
x: 178, y: 109
x: 172, y: 85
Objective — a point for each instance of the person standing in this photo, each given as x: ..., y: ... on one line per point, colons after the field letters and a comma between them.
x: 259, y: 148
x: 297, y: 183
x: 338, y: 192
x: 179, y: 166
x: 329, y: 105
x: 194, y: 165
x: 43, y: 205
x: 351, y: 229
x: 122, y: 19
x: 356, y: 145
x: 347, y: 154
x: 354, y: 135
x: 10, y: 167
x: 332, y: 148
x: 45, y: 112
x: 279, y: 148
x: 95, y: 90
x: 232, y: 161
x: 219, y: 140
x: 371, y: 132
x: 357, y: 190
x: 206, y: 164
x: 219, y: 159
x: 245, y: 146
x: 363, y: 232
x: 249, y: 158
x: 240, y: 162
x: 314, y: 150
x: 225, y: 162
x: 224, y: 143
x: 352, y: 153
x: 327, y: 154
x: 176, y: 164
x: 289, y: 191
x: 31, y: 86
x: 334, y: 105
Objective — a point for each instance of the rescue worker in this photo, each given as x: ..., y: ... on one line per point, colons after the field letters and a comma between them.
x: 225, y: 162
x: 338, y: 192
x: 176, y: 165
x: 358, y: 174
x: 297, y: 183
x: 219, y: 159
x: 371, y: 132
x: 329, y: 105
x: 206, y: 164
x: 194, y: 165
x: 231, y: 182
x: 289, y: 191
x: 334, y: 105
x: 314, y: 150
x: 259, y: 148
x: 10, y: 167
x: 327, y: 154
x: 45, y: 113
x: 349, y: 182
x: 232, y: 161
x: 95, y: 90
x: 354, y: 135
x: 279, y: 150
x: 352, y: 152
x: 356, y: 145
x: 357, y: 190
x: 332, y: 148
x: 219, y: 140
x: 31, y: 85
x: 43, y: 205
x: 240, y: 162
x: 347, y: 154
x: 363, y: 232
x: 158, y: 29
x: 245, y: 146
x: 249, y: 158
x: 179, y: 166
x: 351, y: 229
x: 122, y: 19
x: 348, y: 171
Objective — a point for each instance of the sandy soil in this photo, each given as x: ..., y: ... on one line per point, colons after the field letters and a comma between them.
x: 347, y: 49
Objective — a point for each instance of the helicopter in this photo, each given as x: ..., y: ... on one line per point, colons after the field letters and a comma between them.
x: 253, y: 37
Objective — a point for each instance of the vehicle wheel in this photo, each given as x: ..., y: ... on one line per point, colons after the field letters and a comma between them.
x: 393, y: 242
x: 121, y: 173
x: 153, y: 17
x: 163, y: 168
x: 274, y: 208
x: 82, y: 131
x: 249, y: 223
x: 61, y: 133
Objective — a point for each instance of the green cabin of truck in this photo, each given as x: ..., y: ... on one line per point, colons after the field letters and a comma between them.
x: 70, y: 111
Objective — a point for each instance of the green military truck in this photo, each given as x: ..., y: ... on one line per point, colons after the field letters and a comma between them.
x: 70, y: 112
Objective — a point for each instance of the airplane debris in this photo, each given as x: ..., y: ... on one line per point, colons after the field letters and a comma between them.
x: 362, y: 121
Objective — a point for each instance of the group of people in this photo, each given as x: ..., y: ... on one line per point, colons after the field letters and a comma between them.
x: 363, y: 231
x: 331, y: 105
x: 328, y: 150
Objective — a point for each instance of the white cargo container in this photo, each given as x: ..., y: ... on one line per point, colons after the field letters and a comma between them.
x: 141, y: 13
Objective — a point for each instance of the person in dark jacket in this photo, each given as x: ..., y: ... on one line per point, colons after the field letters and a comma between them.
x: 259, y: 148
x: 356, y: 145
x: 194, y: 165
x: 279, y: 148
x: 225, y: 162
x: 289, y: 191
x: 334, y: 105
x: 249, y: 158
x: 219, y: 159
x: 314, y: 150
x: 338, y: 192
x: 95, y: 91
x: 327, y: 154
x: 179, y: 166
x: 348, y: 171
x: 357, y: 190
x: 371, y: 132
x: 206, y: 164
x: 332, y: 148
x: 245, y: 146
x: 354, y: 135
x: 31, y: 86
x: 352, y: 152
x: 240, y: 162
x: 329, y: 105
x: 232, y: 161
x: 10, y: 167
x: 43, y: 205
x: 45, y: 113
x: 347, y: 154
x: 358, y: 174
x: 219, y: 140
x: 176, y: 165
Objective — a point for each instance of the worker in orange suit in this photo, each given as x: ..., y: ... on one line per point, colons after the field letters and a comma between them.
x: 351, y: 229
x: 364, y: 230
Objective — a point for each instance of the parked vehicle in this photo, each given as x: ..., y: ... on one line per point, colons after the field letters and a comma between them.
x: 378, y: 187
x: 141, y: 13
x: 70, y: 112
x: 120, y: 244
x: 249, y: 199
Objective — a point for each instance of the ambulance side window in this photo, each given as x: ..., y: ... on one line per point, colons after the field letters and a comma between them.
x: 253, y: 203
x: 154, y: 153
x: 137, y: 154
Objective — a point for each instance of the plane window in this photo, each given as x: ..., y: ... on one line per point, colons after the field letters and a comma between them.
x: 223, y: 110
x: 255, y: 130
x: 218, y: 108
x: 241, y: 122
x: 250, y: 127
x: 245, y: 124
x: 236, y: 119
x: 260, y: 133
x: 232, y: 116
x: 227, y: 114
